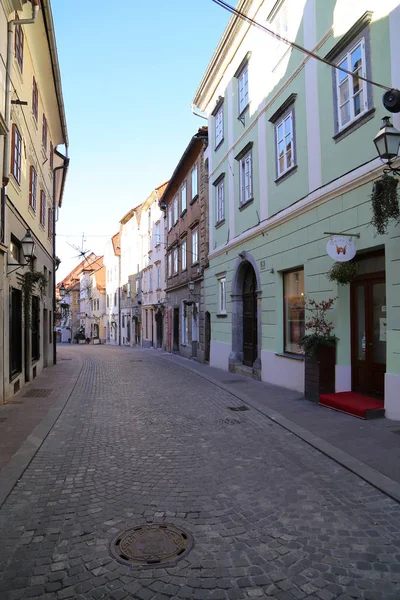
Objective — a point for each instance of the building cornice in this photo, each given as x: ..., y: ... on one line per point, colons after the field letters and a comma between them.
x: 217, y: 65
x: 11, y: 6
x: 362, y: 175
x: 51, y: 39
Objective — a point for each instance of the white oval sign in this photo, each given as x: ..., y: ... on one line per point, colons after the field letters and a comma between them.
x: 341, y: 248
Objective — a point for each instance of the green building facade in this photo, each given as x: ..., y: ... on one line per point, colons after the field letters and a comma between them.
x: 291, y: 159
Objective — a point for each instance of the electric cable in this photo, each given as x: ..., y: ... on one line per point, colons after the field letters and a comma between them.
x: 255, y: 23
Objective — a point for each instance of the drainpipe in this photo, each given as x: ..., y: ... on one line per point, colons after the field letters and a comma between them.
x: 7, y: 109
x: 64, y: 168
x: 199, y: 113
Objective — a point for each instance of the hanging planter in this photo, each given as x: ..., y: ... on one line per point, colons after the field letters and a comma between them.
x: 385, y: 203
x: 29, y: 280
x: 343, y: 273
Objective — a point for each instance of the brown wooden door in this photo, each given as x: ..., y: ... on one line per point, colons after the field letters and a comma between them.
x: 249, y: 318
x: 368, y: 296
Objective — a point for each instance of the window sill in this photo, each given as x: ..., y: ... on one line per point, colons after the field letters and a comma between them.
x: 286, y: 175
x: 221, y: 315
x: 219, y: 224
x: 32, y: 211
x: 219, y: 145
x: 244, y: 110
x: 246, y: 204
x: 364, y: 118
x: 195, y: 264
x: 183, y: 213
x: 194, y: 199
x: 289, y: 355
x: 44, y: 152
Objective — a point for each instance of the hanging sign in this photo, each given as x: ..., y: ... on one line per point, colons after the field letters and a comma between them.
x: 341, y: 248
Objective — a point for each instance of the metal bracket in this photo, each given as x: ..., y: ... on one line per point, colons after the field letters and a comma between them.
x: 356, y: 235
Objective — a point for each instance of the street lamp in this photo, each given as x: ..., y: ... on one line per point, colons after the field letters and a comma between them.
x: 62, y: 290
x: 387, y: 142
x: 28, y: 246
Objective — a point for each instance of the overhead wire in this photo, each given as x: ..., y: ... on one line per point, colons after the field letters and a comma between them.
x: 297, y: 46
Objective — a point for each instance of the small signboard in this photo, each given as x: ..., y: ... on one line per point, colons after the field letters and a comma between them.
x: 341, y: 249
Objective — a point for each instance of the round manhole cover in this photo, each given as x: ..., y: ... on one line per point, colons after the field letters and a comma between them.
x: 151, y: 545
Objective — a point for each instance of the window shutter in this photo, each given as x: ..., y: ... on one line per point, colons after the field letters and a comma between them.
x: 13, y: 148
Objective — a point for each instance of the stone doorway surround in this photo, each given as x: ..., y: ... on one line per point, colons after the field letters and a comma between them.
x: 236, y: 355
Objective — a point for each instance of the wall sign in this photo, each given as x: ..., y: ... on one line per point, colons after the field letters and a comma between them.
x: 341, y: 249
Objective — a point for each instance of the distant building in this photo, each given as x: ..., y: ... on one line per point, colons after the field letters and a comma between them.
x: 112, y: 258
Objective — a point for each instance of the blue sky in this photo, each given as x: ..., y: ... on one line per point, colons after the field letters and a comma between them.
x: 129, y: 76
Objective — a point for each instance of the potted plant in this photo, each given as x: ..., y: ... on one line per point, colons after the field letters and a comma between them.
x: 319, y: 345
x: 385, y: 203
x: 343, y: 272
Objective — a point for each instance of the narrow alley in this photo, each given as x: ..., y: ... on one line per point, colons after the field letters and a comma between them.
x: 144, y: 441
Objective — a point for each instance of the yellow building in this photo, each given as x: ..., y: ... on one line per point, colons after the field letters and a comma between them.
x: 34, y: 171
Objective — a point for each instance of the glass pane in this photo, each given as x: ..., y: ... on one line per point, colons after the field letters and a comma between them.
x: 357, y: 82
x: 345, y: 113
x: 356, y: 59
x: 341, y: 74
x: 294, y: 310
x: 359, y: 103
x: 289, y: 157
x: 281, y: 163
x: 361, y: 334
x: 344, y: 92
x: 280, y: 132
x: 288, y: 125
x: 379, y: 323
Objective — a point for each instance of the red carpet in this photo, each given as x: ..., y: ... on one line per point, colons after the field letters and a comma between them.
x: 355, y: 404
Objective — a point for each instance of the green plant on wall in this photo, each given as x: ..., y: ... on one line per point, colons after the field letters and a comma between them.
x: 30, y: 280
x: 385, y: 203
x: 343, y: 273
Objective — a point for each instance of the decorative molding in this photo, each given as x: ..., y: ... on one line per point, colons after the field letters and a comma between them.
x: 242, y: 65
x: 218, y: 105
x: 219, y: 179
x: 349, y: 36
x: 244, y: 150
x: 283, y: 108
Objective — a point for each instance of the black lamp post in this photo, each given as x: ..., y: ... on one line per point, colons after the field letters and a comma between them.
x: 28, y: 246
x: 62, y: 290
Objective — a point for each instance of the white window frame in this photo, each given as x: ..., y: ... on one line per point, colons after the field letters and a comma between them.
x: 243, y: 88
x: 176, y: 209
x: 158, y: 236
x: 219, y: 126
x: 220, y: 200
x: 222, y: 295
x: 184, y: 255
x: 169, y: 217
x: 282, y: 124
x: 129, y: 289
x: 184, y: 197
x: 176, y: 268
x: 150, y: 280
x: 158, y: 277
x: 170, y: 264
x: 346, y: 58
x: 246, y: 177
x: 195, y: 182
x: 137, y: 285
x: 195, y: 246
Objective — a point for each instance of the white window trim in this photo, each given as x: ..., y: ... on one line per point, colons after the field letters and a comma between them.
x: 363, y: 86
x: 175, y: 261
x: 220, y: 200
x: 242, y: 167
x: 289, y: 115
x: 195, y: 248
x: 219, y: 126
x: 176, y: 210
x: 184, y: 196
x: 244, y: 74
x: 195, y: 193
x: 184, y: 255
x: 222, y: 295
x: 170, y: 217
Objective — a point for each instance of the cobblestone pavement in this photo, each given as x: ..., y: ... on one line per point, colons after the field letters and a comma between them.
x: 143, y: 440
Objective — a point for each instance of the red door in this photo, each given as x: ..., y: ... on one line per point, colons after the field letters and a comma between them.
x: 368, y: 298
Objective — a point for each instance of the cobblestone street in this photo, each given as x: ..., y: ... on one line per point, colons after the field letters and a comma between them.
x: 143, y: 440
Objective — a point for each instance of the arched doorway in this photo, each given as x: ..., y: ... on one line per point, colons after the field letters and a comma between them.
x: 249, y: 317
x: 246, y: 316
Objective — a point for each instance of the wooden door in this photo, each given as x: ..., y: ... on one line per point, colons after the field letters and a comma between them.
x: 176, y: 330
x: 368, y: 296
x: 249, y: 317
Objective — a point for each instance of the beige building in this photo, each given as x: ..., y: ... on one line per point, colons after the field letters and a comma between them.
x: 32, y: 121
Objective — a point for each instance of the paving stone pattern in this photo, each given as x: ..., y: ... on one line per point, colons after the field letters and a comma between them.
x: 142, y: 440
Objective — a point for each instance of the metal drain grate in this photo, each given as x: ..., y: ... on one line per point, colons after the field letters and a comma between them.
x: 137, y: 360
x: 229, y: 422
x: 229, y: 381
x: 156, y: 545
x: 3, y: 419
x: 238, y: 408
x: 37, y: 393
x: 396, y: 431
